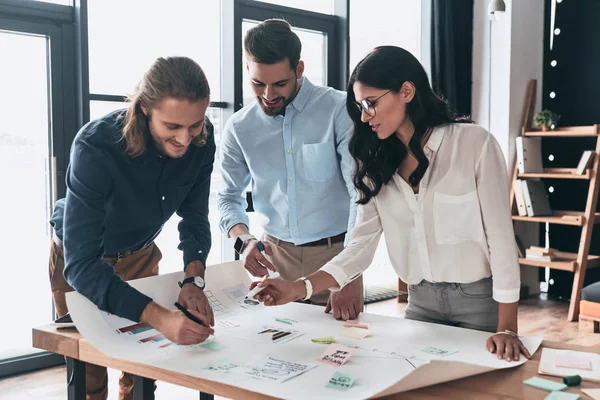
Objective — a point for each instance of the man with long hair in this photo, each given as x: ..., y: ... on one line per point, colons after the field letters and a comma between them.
x: 129, y: 172
x: 292, y: 143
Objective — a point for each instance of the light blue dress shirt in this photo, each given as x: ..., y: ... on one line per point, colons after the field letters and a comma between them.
x: 299, y: 164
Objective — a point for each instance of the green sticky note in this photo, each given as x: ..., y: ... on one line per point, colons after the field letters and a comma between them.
x: 222, y: 366
x: 544, y: 384
x: 323, y: 340
x: 562, y: 396
x: 341, y: 381
x: 439, y: 351
x: 213, y: 346
x: 288, y: 321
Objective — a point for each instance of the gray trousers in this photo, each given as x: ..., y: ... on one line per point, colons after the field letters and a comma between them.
x: 467, y: 305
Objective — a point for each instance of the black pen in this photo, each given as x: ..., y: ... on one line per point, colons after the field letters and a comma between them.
x: 188, y: 314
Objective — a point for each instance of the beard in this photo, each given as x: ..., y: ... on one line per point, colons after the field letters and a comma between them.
x: 283, y: 103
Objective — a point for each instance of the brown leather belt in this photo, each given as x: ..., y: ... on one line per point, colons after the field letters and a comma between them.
x: 124, y: 254
x: 321, y: 242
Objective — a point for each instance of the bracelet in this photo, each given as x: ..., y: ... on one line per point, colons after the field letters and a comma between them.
x: 507, y: 332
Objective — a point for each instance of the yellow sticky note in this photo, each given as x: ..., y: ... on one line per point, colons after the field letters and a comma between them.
x: 323, y: 340
x: 355, y: 333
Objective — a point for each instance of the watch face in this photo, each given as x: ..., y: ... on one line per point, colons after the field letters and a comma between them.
x: 198, y: 281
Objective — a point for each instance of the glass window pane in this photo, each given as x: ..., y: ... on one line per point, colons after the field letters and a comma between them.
x: 320, y: 6
x: 168, y: 240
x: 63, y: 2
x: 26, y: 194
x: 314, y: 54
x: 125, y: 37
x: 101, y: 108
x: 371, y: 26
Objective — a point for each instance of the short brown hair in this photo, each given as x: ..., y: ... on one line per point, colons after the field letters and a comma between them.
x: 273, y: 41
x: 178, y: 77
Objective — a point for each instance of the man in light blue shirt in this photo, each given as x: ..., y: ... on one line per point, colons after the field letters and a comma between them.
x: 292, y: 144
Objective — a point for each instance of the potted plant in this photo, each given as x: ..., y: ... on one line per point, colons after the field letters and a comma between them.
x: 546, y: 119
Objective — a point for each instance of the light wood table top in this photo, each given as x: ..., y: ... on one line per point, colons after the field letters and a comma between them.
x: 500, y: 384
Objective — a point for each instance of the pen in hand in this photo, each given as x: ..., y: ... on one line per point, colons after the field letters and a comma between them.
x: 188, y: 314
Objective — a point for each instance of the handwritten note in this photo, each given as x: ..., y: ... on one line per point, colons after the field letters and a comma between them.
x: 341, y: 381
x: 222, y: 366
x: 323, y: 340
x: 225, y: 323
x: 274, y: 369
x: 336, y: 355
x: 355, y: 333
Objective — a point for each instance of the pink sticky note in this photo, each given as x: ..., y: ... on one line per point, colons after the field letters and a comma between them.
x: 573, y: 362
x: 355, y: 324
x: 336, y: 355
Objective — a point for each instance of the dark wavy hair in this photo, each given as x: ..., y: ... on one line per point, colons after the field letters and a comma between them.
x: 388, y: 67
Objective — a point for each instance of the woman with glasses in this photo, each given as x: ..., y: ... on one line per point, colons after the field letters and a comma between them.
x: 437, y: 186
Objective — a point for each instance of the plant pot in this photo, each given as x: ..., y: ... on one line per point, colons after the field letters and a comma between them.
x: 545, y: 128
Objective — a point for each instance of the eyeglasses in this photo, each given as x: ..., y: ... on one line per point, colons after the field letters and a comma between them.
x: 368, y: 106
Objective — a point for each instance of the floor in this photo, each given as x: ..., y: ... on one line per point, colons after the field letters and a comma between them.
x: 536, y: 316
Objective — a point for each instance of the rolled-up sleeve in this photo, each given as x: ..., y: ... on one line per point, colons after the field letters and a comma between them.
x: 88, y: 186
x: 358, y: 255
x: 492, y: 189
x: 194, y: 227
x: 235, y: 177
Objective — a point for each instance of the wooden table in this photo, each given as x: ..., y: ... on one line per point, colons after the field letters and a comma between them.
x: 500, y: 384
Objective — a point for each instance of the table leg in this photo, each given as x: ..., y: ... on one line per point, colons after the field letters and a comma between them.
x: 206, y: 396
x: 75, y: 379
x: 143, y: 388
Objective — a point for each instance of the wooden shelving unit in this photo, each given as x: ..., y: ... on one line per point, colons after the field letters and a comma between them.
x: 578, y: 262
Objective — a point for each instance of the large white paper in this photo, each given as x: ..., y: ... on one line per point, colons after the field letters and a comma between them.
x: 388, y: 361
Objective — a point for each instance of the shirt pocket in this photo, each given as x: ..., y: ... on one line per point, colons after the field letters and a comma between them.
x: 457, y: 218
x: 320, y: 161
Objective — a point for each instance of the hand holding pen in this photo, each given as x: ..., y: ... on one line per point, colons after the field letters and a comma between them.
x: 255, y: 258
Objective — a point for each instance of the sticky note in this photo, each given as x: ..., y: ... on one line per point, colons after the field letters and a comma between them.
x: 355, y: 324
x: 341, y: 381
x: 323, y: 340
x: 564, y: 361
x: 222, y: 366
x: 544, y: 384
x: 336, y: 355
x: 213, y: 346
x: 439, y: 351
x: 288, y: 321
x: 593, y: 393
x: 562, y: 396
x: 355, y: 333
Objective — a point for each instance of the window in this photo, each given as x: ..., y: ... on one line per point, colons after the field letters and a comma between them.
x: 370, y: 27
x: 119, y: 57
x: 63, y: 2
x: 123, y: 44
x: 320, y: 6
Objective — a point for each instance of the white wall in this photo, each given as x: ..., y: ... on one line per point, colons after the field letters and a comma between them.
x: 507, y: 53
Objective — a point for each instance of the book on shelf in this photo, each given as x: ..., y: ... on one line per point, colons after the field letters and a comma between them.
x: 536, y: 198
x: 585, y: 161
x: 540, y: 254
x: 519, y: 198
x: 529, y: 155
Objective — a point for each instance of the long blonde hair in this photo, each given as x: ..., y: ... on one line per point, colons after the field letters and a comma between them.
x: 178, y: 77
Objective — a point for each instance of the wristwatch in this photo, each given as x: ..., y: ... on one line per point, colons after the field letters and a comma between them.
x: 309, y: 288
x: 240, y: 241
x: 198, y: 281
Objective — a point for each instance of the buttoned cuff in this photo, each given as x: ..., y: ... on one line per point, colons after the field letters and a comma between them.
x: 506, y: 296
x: 340, y: 276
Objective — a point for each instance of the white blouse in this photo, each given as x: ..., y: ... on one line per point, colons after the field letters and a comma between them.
x: 458, y: 229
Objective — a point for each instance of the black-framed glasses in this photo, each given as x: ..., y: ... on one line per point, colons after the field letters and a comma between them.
x: 368, y: 106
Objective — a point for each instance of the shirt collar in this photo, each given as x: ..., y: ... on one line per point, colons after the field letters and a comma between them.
x: 303, y: 94
x: 151, y: 152
x: 435, y: 140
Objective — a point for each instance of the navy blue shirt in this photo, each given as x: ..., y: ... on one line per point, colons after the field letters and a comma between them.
x: 117, y: 203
